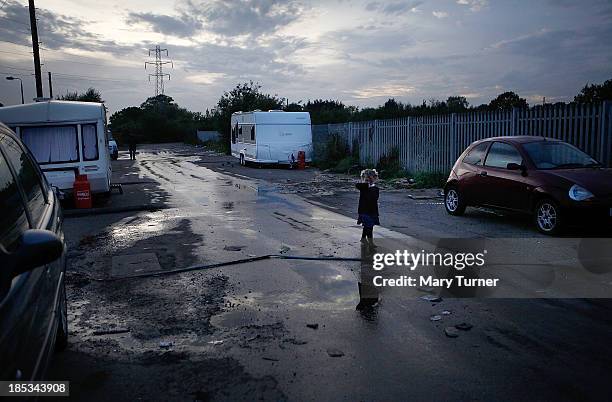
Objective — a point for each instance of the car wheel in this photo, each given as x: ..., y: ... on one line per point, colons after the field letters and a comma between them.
x: 453, y: 202
x: 61, y: 339
x: 547, y: 217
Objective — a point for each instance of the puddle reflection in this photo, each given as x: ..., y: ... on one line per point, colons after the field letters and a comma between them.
x: 368, y: 293
x: 138, y: 227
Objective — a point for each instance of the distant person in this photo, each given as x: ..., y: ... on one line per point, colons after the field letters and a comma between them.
x: 132, y: 147
x: 368, y: 203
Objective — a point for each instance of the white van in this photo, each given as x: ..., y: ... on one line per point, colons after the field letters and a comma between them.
x: 273, y: 137
x: 66, y: 138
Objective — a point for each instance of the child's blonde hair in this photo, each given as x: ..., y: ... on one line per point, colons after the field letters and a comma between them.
x: 369, y: 174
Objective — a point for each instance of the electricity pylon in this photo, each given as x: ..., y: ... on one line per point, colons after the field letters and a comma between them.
x: 159, y: 73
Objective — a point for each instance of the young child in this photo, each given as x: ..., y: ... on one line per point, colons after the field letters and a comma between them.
x: 368, y: 203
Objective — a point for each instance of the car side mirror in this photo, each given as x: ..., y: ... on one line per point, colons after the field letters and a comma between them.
x: 516, y: 166
x: 36, y: 248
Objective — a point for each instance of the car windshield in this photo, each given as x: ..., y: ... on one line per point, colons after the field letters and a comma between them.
x: 557, y: 155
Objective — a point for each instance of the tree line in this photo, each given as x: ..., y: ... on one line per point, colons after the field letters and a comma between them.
x: 160, y: 119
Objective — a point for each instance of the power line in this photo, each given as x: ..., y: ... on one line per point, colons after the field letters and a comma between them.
x: 94, y: 78
x: 159, y: 73
x: 14, y: 20
x: 54, y: 60
x: 16, y: 68
x: 20, y: 53
x: 13, y: 73
x: 65, y: 75
x: 19, y: 30
x: 74, y: 61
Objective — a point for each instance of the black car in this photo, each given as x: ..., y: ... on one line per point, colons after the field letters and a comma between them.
x: 33, y: 315
x: 555, y: 182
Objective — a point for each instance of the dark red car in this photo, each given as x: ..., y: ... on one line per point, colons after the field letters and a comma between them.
x: 554, y: 181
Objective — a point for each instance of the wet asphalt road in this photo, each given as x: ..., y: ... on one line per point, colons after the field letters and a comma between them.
x: 241, y: 332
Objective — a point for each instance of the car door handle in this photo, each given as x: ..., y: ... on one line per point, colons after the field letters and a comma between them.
x: 483, y: 173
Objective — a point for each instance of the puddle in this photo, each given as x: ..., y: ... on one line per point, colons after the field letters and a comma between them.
x: 256, y: 188
x: 137, y: 227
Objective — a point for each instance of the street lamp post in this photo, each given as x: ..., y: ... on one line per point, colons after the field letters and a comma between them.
x: 20, y: 83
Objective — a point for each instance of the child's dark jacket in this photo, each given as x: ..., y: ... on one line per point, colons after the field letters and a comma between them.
x: 368, y: 199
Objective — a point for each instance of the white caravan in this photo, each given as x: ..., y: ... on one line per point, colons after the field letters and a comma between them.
x: 66, y: 138
x: 271, y: 137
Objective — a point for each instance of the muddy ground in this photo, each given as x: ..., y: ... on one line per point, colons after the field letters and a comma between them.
x: 290, y: 330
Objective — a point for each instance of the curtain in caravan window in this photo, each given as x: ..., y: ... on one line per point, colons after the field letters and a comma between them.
x: 52, y: 144
x: 90, y: 142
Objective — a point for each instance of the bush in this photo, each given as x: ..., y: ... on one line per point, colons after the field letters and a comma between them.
x: 346, y: 165
x: 389, y: 166
x: 429, y: 179
x: 336, y: 149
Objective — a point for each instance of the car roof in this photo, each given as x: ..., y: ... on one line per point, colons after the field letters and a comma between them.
x: 519, y: 139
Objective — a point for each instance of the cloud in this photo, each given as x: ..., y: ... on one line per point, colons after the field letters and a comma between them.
x: 474, y: 5
x: 205, y: 78
x: 211, y: 63
x: 373, y: 6
x: 15, y: 27
x: 556, y: 45
x: 181, y: 26
x: 55, y: 31
x: 363, y: 40
x: 396, y: 7
x: 253, y: 18
x: 317, y: 49
x: 383, y: 91
x: 471, y: 95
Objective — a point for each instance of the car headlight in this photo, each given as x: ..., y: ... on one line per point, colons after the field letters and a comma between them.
x: 578, y: 193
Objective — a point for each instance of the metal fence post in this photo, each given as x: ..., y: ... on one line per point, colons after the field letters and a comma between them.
x: 349, y: 137
x: 408, y: 147
x: 514, y: 122
x: 375, y: 148
x: 454, y: 139
x: 605, y: 132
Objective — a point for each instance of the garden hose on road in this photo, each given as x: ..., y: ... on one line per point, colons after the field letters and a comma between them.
x: 234, y: 262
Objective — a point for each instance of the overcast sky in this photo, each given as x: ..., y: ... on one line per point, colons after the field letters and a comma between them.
x: 358, y: 51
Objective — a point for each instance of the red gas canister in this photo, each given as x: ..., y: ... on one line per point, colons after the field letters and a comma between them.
x: 82, y: 192
x: 301, y: 160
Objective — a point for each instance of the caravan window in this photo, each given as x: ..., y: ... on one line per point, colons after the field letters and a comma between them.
x: 52, y: 144
x: 253, y: 133
x: 90, y: 142
x: 240, y: 134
